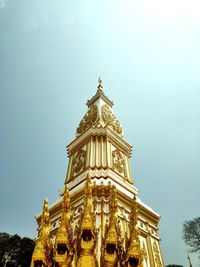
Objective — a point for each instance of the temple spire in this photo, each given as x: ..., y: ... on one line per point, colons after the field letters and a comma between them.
x: 99, y: 114
x: 89, y: 226
x: 189, y: 261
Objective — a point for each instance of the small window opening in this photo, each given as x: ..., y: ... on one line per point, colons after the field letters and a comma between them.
x: 86, y: 235
x: 61, y: 248
x: 110, y: 248
x: 38, y: 263
x: 133, y: 262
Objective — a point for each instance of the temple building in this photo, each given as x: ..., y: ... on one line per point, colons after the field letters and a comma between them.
x: 98, y: 220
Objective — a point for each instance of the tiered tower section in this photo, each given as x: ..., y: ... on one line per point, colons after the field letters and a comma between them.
x: 99, y: 148
x: 99, y: 220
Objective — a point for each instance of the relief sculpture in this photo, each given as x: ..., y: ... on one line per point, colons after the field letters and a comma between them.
x: 118, y: 161
x: 79, y: 161
x: 110, y: 119
x: 90, y: 118
x: 157, y: 255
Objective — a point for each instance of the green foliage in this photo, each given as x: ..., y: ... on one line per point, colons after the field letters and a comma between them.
x: 191, y: 234
x: 15, y: 251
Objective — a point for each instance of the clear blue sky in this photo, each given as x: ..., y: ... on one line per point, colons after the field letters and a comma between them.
x: 148, y: 54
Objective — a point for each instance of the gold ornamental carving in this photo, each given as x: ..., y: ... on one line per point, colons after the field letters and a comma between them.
x: 110, y: 119
x: 145, y: 252
x: 79, y: 161
x: 157, y: 255
x: 87, y: 234
x: 111, y: 243
x: 89, y: 120
x: 98, y: 225
x: 134, y: 253
x: 63, y: 247
x: 43, y: 246
x: 118, y: 160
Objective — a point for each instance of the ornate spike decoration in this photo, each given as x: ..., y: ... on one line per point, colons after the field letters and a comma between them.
x: 100, y: 87
x: 42, y: 252
x: 63, y: 243
x: 111, y: 245
x: 134, y: 254
x: 87, y: 236
x: 97, y: 220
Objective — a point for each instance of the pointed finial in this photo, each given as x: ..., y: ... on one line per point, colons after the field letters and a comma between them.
x: 113, y: 203
x: 134, y: 215
x: 99, y: 94
x: 100, y: 86
x: 45, y: 213
x: 66, y: 198
x: 135, y: 209
x: 88, y: 178
x: 45, y: 205
x: 88, y: 185
x: 66, y: 190
x: 189, y: 261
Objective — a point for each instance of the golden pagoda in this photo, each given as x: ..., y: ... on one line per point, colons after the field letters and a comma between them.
x: 99, y: 220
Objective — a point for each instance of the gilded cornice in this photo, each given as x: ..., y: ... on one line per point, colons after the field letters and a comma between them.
x: 100, y: 172
x: 105, y: 177
x: 107, y: 132
x: 144, y: 210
